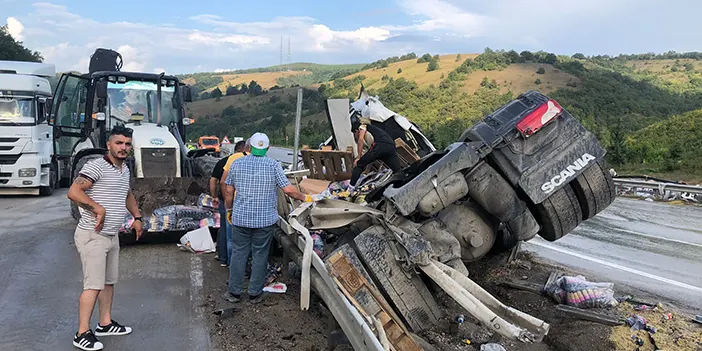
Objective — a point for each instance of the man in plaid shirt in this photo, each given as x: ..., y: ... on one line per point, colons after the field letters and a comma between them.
x: 253, y: 215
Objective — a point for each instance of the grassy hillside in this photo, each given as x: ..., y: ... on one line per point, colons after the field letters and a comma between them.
x: 303, y: 74
x: 625, y: 100
x: 517, y: 78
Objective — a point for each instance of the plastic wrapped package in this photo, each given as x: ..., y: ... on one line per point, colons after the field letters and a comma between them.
x: 578, y: 292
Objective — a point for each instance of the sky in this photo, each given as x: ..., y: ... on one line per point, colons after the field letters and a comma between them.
x: 179, y: 36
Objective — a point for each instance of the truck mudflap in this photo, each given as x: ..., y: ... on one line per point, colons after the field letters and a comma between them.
x: 560, y: 167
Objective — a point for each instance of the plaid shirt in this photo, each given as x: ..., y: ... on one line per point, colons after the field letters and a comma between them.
x: 256, y: 180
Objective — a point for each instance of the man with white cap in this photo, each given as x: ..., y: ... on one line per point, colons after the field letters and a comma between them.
x: 253, y: 215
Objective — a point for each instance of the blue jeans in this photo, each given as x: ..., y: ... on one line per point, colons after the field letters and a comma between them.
x: 223, y: 236
x: 256, y: 241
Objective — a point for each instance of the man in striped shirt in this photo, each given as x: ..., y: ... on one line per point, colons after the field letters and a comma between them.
x: 103, y: 196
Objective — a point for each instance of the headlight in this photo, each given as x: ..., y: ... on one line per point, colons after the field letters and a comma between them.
x: 27, y: 172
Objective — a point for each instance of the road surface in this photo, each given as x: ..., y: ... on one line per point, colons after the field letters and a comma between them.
x: 41, y: 278
x: 652, y: 248
x: 281, y: 154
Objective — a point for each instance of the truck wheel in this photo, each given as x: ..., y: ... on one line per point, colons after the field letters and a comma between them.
x: 559, y: 214
x: 594, y: 189
x: 79, y: 165
x: 406, y: 291
x: 53, y: 180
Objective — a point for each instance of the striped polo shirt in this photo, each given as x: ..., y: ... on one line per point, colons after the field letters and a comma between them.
x: 110, y: 189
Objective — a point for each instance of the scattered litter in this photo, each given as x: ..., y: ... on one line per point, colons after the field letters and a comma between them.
x: 198, y: 241
x: 668, y: 316
x: 636, y: 322
x: 578, y: 292
x: 318, y: 242
x: 697, y: 319
x: 177, y: 218
x: 637, y: 340
x: 492, y: 347
x: 206, y: 200
x: 278, y: 288
x: 466, y: 341
x: 272, y: 273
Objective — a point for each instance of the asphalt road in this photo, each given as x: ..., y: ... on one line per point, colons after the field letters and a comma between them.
x: 41, y: 278
x: 646, y: 248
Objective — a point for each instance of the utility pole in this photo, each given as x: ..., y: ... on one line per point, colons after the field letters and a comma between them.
x: 289, y: 54
x: 298, y: 116
x: 281, y: 52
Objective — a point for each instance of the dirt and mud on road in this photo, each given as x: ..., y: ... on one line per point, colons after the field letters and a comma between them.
x: 279, y: 324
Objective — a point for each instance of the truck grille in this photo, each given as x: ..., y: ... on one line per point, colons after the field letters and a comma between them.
x: 4, y: 181
x: 5, y: 174
x: 6, y: 148
x: 158, y: 162
x: 9, y: 159
x: 8, y: 140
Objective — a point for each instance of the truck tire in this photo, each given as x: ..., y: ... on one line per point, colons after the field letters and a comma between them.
x: 79, y: 165
x: 53, y: 182
x: 559, y: 214
x: 594, y: 189
x: 406, y: 292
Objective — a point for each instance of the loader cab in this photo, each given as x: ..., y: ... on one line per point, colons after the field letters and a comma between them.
x: 88, y: 106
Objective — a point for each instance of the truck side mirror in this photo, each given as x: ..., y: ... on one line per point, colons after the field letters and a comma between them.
x: 187, y: 94
x: 101, y: 89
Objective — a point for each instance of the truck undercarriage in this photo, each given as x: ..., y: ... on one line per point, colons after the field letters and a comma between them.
x: 529, y: 168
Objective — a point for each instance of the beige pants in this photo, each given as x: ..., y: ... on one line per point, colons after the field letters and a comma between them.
x: 99, y: 255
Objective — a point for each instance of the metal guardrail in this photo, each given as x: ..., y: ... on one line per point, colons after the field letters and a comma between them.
x: 661, y: 186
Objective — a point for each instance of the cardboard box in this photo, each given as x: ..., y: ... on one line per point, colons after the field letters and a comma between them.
x: 313, y: 186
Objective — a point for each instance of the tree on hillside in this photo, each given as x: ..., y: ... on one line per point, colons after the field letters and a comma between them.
x: 527, y: 55
x: 13, y: 50
x: 433, y: 65
x: 425, y: 58
x: 458, y: 57
x: 216, y: 93
x: 232, y: 90
x: 579, y: 56
x: 551, y: 58
x: 255, y: 89
x: 514, y: 57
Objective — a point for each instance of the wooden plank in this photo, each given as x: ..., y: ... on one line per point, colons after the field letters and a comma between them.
x: 526, y: 286
x: 354, y: 284
x: 589, y: 315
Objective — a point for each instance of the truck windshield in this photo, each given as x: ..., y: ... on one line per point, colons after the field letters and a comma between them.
x: 137, y: 97
x: 17, y: 109
x: 209, y: 142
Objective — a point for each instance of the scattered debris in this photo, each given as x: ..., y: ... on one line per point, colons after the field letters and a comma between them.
x: 589, y: 315
x: 636, y: 322
x: 697, y: 319
x: 277, y: 288
x: 198, y: 241
x: 492, y: 347
x: 578, y: 292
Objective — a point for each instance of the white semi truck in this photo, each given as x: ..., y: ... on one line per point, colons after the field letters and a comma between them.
x: 27, y: 162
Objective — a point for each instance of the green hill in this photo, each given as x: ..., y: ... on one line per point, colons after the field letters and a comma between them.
x: 615, y: 97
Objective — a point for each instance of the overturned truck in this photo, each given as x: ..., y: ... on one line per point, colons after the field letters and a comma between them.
x: 530, y: 168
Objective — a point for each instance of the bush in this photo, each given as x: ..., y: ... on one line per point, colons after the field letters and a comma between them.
x: 537, y: 82
x: 541, y: 70
x: 433, y: 65
x: 399, y: 70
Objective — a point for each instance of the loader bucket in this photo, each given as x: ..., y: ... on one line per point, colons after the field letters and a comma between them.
x: 153, y: 193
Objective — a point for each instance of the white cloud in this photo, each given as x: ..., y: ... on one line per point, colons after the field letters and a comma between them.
x: 15, y: 28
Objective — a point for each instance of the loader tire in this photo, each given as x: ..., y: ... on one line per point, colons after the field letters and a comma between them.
x: 407, y: 293
x: 594, y: 189
x: 559, y: 214
x: 79, y: 165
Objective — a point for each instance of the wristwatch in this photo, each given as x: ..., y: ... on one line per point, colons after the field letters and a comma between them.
x: 139, y: 219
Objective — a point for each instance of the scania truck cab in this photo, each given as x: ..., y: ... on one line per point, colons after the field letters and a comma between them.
x: 27, y: 163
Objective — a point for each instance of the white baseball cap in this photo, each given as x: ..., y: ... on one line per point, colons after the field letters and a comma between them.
x: 259, y: 144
